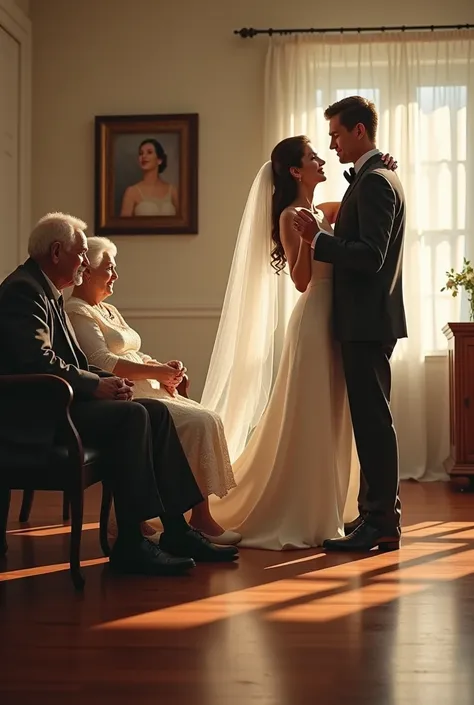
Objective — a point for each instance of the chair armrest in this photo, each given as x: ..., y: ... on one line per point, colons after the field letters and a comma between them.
x: 56, y: 385
x: 33, y: 409
x: 183, y: 388
x: 33, y: 398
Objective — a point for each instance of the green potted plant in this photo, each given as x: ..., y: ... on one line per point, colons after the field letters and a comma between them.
x: 462, y: 280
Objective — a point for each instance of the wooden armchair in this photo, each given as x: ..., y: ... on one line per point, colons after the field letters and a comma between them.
x: 28, y: 494
x: 34, y: 410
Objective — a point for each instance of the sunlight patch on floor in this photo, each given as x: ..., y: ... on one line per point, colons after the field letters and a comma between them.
x: 45, y: 570
x: 438, y: 529
x: 53, y: 530
x: 345, y: 603
x: 388, y: 577
x: 305, y: 559
x: 445, y: 568
x: 212, y: 609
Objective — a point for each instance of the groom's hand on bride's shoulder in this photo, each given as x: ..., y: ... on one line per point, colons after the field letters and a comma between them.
x: 390, y: 162
x: 305, y: 224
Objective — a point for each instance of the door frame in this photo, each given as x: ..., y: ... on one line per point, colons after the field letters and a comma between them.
x: 14, y: 21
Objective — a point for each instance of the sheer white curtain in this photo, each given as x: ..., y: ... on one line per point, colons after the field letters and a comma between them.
x: 423, y: 87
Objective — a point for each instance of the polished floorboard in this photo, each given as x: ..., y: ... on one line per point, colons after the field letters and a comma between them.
x: 291, y: 628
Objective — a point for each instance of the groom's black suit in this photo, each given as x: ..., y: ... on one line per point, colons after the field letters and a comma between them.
x: 148, y: 470
x: 369, y: 317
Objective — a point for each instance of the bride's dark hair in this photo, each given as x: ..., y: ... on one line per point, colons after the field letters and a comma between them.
x: 289, y: 152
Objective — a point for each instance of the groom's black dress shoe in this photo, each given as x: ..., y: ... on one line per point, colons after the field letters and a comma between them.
x: 353, y: 525
x: 365, y: 538
x: 145, y: 558
x: 192, y: 543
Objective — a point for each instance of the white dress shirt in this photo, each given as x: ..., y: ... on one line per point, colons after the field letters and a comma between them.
x: 55, y: 291
x: 57, y: 294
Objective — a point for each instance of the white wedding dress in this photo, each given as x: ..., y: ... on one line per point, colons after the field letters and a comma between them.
x: 298, y: 476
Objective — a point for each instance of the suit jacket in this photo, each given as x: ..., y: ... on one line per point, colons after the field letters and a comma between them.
x: 34, y: 336
x: 367, y: 254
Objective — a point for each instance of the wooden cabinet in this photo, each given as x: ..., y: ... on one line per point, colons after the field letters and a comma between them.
x: 461, y: 398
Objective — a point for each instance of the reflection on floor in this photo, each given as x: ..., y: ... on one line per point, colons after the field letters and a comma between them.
x: 291, y: 628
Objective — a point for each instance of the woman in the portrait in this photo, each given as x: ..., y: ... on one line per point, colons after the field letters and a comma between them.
x: 152, y: 196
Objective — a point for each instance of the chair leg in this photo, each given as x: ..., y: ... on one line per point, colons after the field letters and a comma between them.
x: 5, y: 496
x: 65, y: 506
x: 27, y: 502
x: 77, y: 508
x: 104, y: 519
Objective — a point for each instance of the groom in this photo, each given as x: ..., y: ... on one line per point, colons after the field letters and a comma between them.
x: 369, y: 316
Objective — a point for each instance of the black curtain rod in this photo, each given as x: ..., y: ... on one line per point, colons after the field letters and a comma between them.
x: 249, y: 32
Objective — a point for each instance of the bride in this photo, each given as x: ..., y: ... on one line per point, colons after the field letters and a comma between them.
x: 295, y: 464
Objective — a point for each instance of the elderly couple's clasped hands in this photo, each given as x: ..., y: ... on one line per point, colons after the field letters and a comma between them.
x: 114, y: 388
x: 169, y: 375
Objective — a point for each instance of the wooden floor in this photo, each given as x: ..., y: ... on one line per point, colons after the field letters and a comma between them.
x: 288, y: 628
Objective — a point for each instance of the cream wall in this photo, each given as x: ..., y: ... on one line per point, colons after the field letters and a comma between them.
x: 24, y: 5
x: 149, y: 56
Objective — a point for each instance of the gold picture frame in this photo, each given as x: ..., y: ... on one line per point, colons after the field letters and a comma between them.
x: 146, y: 174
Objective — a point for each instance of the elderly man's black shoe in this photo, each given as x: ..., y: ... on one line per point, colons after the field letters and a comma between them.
x: 193, y: 543
x: 146, y: 558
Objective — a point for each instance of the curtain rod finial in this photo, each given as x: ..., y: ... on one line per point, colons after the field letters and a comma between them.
x: 246, y: 32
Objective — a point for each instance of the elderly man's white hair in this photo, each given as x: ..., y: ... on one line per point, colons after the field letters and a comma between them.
x: 53, y: 227
x: 97, y: 247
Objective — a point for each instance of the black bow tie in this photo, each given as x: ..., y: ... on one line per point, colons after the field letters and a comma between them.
x: 350, y: 175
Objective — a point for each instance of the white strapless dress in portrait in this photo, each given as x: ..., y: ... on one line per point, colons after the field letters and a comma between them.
x: 298, y: 477
x: 152, y: 206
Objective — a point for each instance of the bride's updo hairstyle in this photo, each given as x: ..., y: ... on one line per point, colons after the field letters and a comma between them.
x: 288, y: 153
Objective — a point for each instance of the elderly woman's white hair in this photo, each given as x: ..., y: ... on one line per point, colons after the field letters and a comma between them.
x: 97, y: 247
x: 53, y: 227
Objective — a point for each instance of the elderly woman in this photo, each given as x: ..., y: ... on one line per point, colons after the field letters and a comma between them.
x: 111, y: 344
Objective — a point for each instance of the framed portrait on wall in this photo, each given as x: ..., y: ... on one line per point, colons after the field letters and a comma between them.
x: 146, y: 174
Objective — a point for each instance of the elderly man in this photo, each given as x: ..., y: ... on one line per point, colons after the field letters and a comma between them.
x: 148, y: 472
